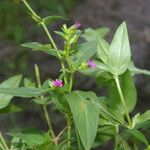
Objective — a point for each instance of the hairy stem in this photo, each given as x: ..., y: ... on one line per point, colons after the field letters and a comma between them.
x: 3, y: 142
x: 122, y: 100
x: 47, y: 117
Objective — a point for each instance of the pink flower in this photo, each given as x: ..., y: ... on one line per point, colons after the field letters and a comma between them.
x: 91, y: 64
x: 57, y: 83
x: 77, y: 24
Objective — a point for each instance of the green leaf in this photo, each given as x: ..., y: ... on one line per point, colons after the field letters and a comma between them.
x: 101, y: 66
x: 41, y: 101
x: 50, y: 19
x: 102, y: 49
x: 91, y: 72
x: 104, y: 78
x: 102, y: 31
x: 85, y: 115
x: 110, y: 114
x: 128, y: 90
x: 17, y: 144
x: 24, y: 91
x: 32, y: 137
x: 43, y: 47
x: 123, y: 145
x: 143, y: 125
x: 97, y: 35
x: 143, y: 120
x: 32, y: 45
x: 58, y: 100
x: 85, y: 52
x: 96, y: 72
x: 28, y: 83
x: 92, y: 35
x: 119, y: 53
x: 139, y: 135
x: 104, y: 134
x: 12, y: 82
x: 61, y: 34
x: 145, y: 117
x: 10, y: 109
x: 48, y: 144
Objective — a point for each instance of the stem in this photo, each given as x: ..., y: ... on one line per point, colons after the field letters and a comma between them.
x: 71, y: 81
x: 122, y: 100
x: 3, y: 142
x: 116, y: 138
x: 70, y: 67
x: 43, y: 25
x: 78, y: 139
x: 63, y: 67
x: 49, y: 35
x: 47, y: 117
x: 70, y: 89
x: 135, y: 145
x: 1, y: 147
x: 49, y: 123
x: 69, y: 131
x: 30, y: 9
x: 59, y: 135
x: 55, y: 47
x: 37, y: 75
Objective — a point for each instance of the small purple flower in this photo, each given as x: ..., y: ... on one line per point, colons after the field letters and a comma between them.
x: 77, y: 24
x: 91, y: 64
x: 57, y: 83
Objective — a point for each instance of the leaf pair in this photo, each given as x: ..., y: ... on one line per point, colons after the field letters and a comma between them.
x: 117, y: 55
